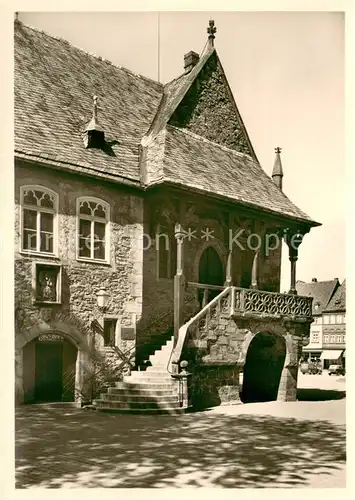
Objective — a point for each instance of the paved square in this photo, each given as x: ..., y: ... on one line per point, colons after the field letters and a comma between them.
x: 299, y: 444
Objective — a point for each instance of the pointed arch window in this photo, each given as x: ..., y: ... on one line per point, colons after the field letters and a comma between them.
x: 165, y: 249
x: 93, y: 229
x: 39, y: 210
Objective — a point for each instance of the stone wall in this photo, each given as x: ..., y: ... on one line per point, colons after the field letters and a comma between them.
x: 121, y: 277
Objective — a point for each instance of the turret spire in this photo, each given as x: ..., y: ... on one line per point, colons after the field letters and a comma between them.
x: 277, y: 172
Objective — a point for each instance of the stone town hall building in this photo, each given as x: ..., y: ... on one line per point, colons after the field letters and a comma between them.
x: 127, y: 261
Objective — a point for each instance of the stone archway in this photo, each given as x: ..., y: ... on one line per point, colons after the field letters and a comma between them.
x: 263, y: 367
x: 61, y: 344
x: 49, y: 369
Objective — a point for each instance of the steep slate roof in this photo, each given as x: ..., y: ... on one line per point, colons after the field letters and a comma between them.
x: 190, y: 160
x: 321, y: 291
x: 338, y: 301
x: 54, y: 87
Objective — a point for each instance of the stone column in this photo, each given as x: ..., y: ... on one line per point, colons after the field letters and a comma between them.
x: 229, y: 280
x: 293, y: 256
x: 254, y: 273
x: 293, y: 240
x: 179, y: 281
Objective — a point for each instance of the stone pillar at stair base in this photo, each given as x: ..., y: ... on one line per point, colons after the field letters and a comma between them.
x: 288, y: 384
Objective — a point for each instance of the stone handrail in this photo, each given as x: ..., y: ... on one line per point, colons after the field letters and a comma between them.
x: 233, y: 301
x: 183, y: 331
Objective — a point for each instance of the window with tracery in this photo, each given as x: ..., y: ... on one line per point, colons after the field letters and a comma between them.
x: 93, y: 227
x: 39, y: 210
x: 165, y: 244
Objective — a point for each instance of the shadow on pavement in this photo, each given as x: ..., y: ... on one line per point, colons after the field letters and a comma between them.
x: 319, y: 395
x: 65, y: 448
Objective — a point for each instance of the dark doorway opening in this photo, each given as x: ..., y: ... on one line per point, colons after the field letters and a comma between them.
x: 263, y: 366
x: 211, y: 272
x: 49, y: 371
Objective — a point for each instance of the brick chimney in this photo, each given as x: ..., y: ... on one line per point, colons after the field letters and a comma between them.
x: 190, y: 60
x: 314, y: 280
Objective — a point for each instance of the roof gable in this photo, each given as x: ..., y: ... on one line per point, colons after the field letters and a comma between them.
x: 202, y: 102
x: 208, y: 109
x: 338, y: 301
x: 321, y: 291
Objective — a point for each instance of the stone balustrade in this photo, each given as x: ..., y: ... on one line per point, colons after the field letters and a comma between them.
x: 233, y: 302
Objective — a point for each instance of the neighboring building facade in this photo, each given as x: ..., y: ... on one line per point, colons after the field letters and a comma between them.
x: 334, y: 329
x: 126, y: 224
x: 321, y: 292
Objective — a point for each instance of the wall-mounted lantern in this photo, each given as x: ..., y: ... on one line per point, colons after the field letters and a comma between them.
x: 102, y: 298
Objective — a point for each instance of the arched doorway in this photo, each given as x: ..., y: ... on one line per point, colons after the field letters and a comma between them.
x: 211, y: 272
x: 263, y: 366
x: 49, y: 369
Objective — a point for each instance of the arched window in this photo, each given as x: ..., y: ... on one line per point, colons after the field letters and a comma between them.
x: 165, y: 249
x: 93, y: 229
x: 39, y: 207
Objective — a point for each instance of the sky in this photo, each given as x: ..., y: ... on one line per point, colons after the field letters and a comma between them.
x: 286, y: 72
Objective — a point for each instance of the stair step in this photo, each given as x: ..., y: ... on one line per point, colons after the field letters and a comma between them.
x: 164, y: 379
x: 116, y: 405
x: 143, y: 392
x: 136, y: 404
x: 154, y: 371
x: 147, y: 385
x: 142, y: 411
x: 138, y: 398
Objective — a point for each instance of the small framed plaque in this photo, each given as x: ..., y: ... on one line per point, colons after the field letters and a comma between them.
x: 128, y: 333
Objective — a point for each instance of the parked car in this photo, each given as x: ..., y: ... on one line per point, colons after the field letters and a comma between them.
x: 315, y: 369
x: 336, y: 370
x: 304, y: 367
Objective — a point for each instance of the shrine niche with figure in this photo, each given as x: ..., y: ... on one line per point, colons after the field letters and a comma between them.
x: 47, y: 283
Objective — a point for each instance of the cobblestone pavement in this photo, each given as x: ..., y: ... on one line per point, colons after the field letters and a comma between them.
x: 299, y: 444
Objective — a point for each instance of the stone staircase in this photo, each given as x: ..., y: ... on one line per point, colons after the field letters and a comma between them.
x: 146, y: 392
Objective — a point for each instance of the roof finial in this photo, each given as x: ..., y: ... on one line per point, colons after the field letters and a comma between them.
x: 94, y: 123
x: 94, y: 114
x: 211, y: 30
x: 277, y: 172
